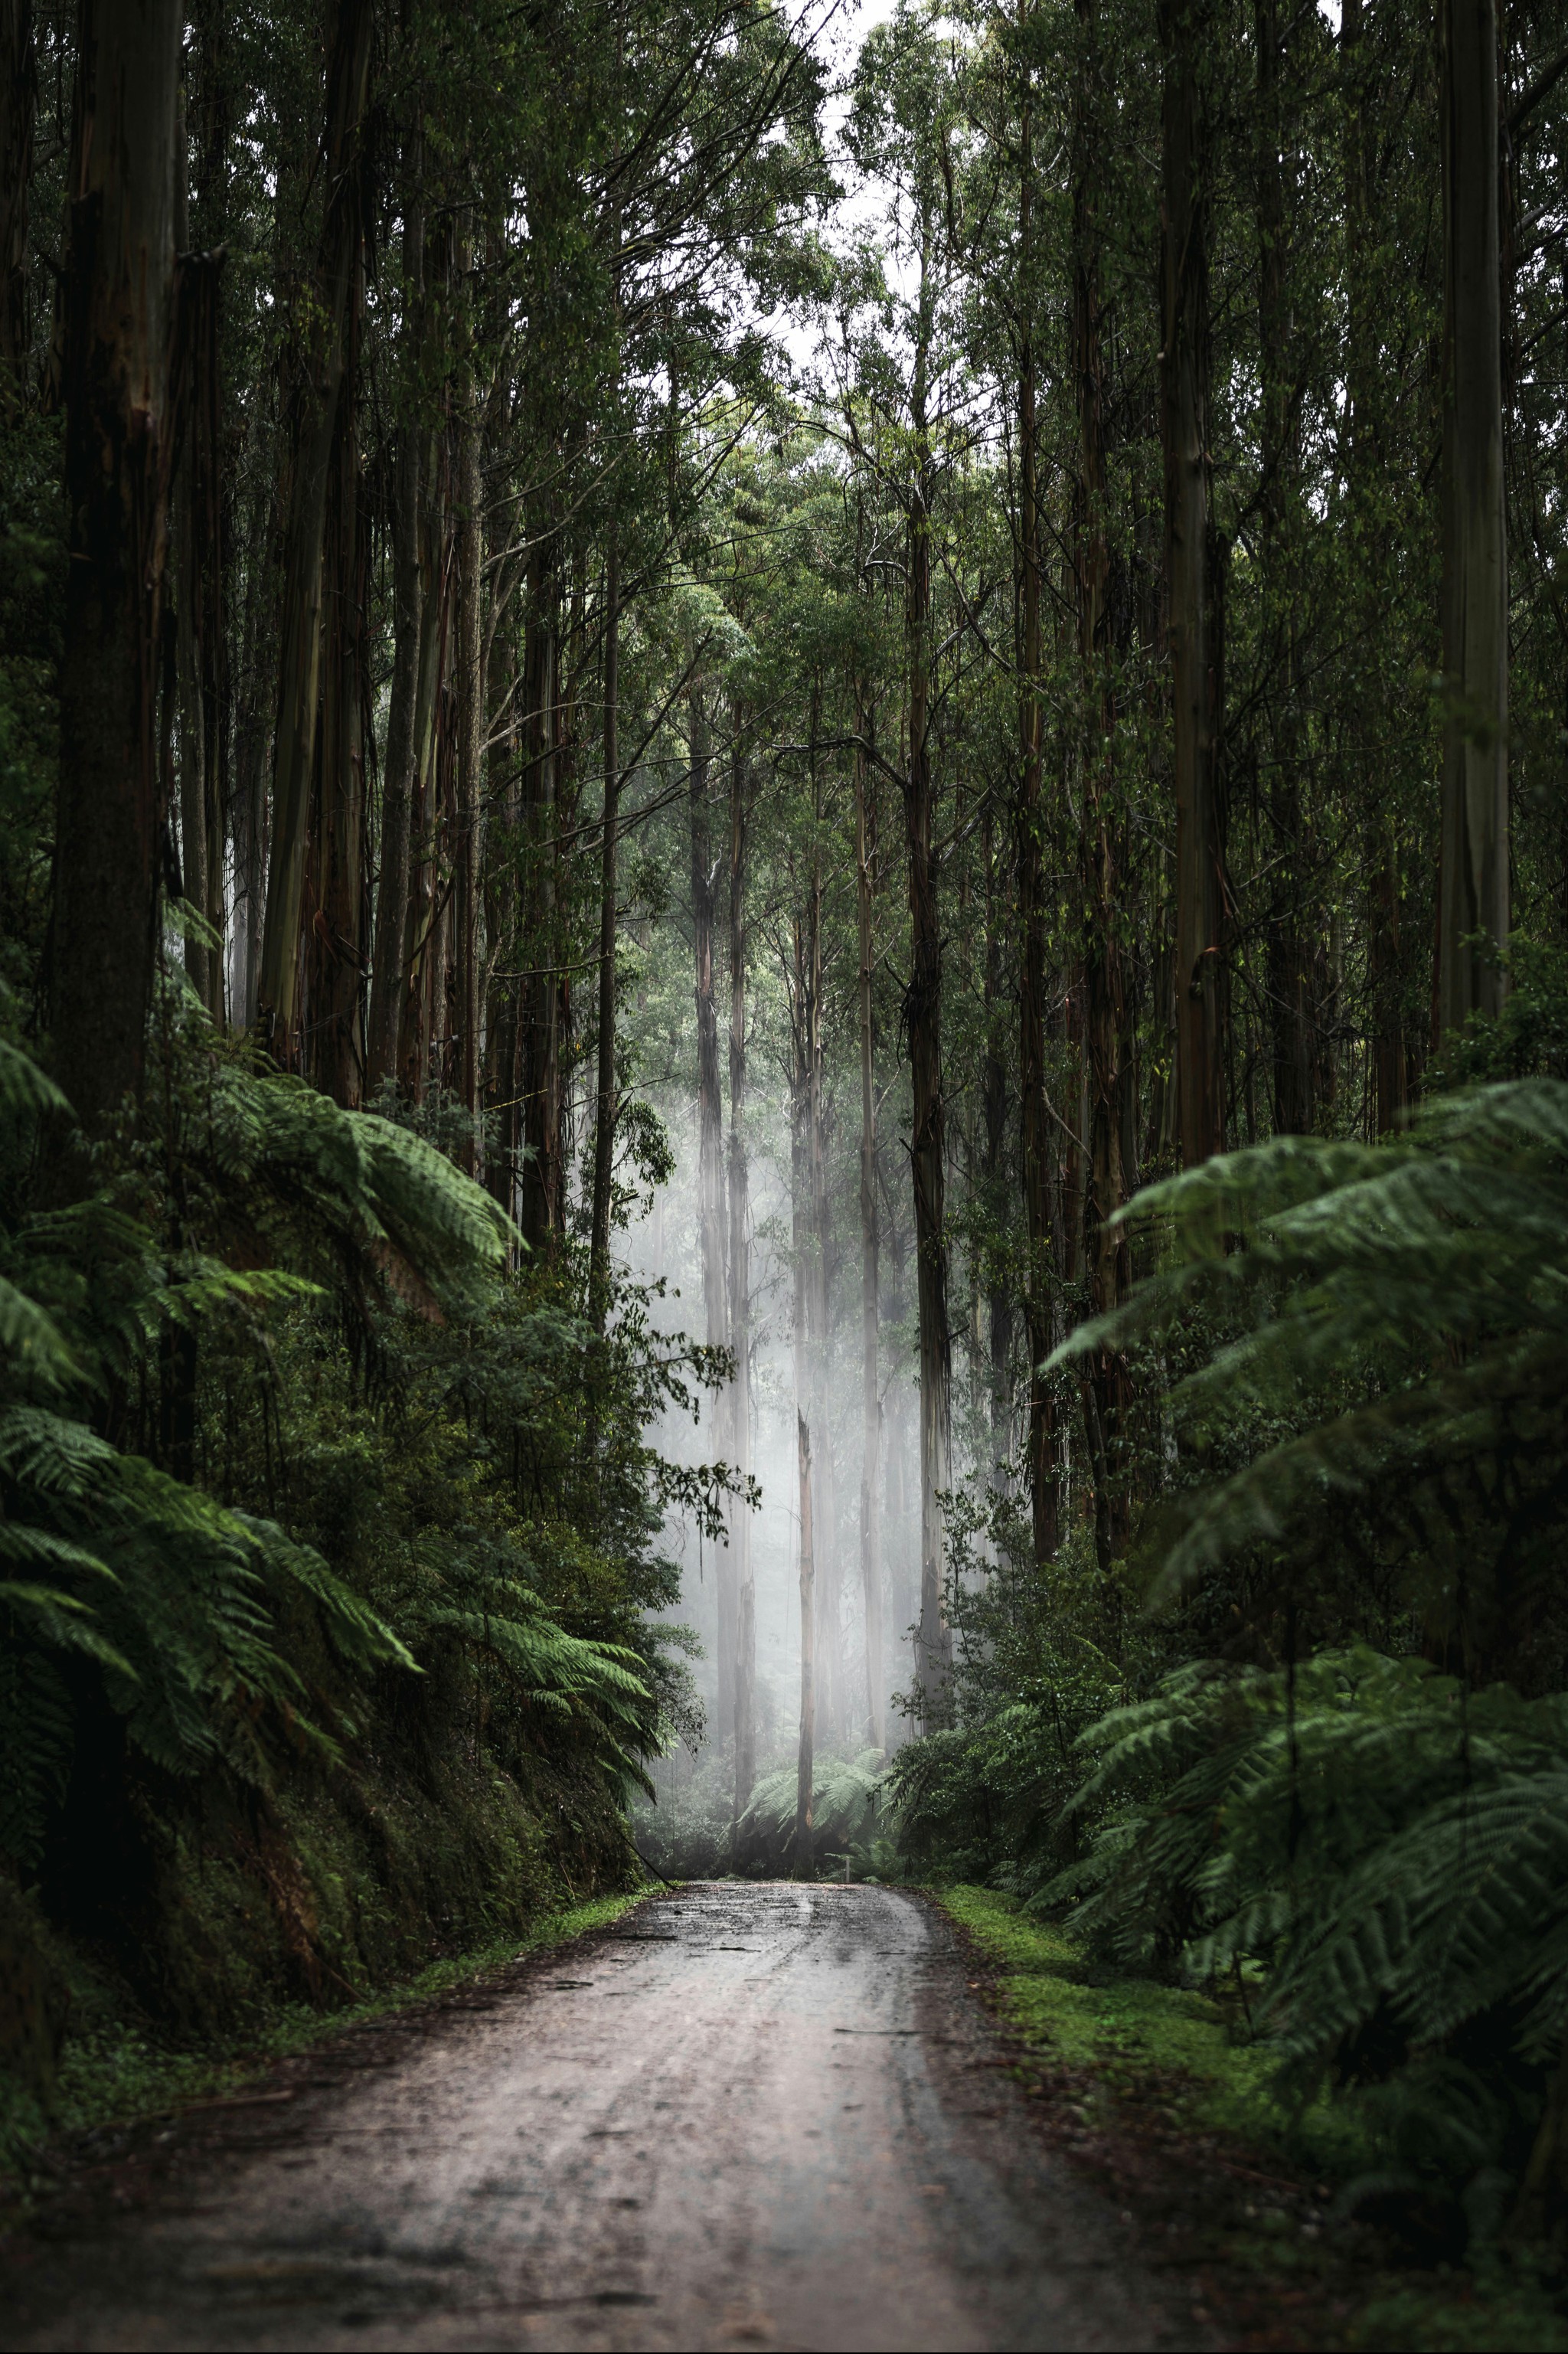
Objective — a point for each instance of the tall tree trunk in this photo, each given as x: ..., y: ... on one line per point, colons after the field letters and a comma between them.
x: 335, y: 948
x: 1289, y: 955
x: 1200, y: 1045
x: 1107, y: 1061
x: 542, y: 1105
x: 1473, y: 888
x: 118, y: 300
x: 740, y: 1299
x: 333, y: 327
x: 870, y: 1385
x: 1036, y: 1143
x: 608, y: 892
x: 923, y: 1009
x: 471, y: 734
x: 18, y: 100
x: 710, y: 1140
x: 397, y: 769
x: 805, y: 1770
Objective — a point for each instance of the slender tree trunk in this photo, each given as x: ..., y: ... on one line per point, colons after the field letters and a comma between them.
x: 336, y: 294
x: 923, y: 1008
x: 1200, y: 1048
x: 870, y: 1387
x: 710, y: 1140
x: 1288, y: 955
x: 805, y: 1776
x: 740, y: 1299
x: 1473, y: 889
x: 335, y: 947
x: 1037, y: 1144
x: 397, y: 769
x: 542, y: 1108
x: 608, y: 891
x: 470, y: 733
x: 18, y: 100
x: 119, y: 454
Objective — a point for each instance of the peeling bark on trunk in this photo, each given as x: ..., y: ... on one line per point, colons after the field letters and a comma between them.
x: 119, y: 305
x: 1473, y: 888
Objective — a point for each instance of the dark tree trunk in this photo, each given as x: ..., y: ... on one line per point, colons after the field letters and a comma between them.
x: 331, y: 337
x: 119, y: 438
x: 1036, y: 1140
x: 18, y: 99
x: 470, y: 733
x: 335, y: 948
x: 1473, y: 889
x: 1106, y: 1024
x: 1200, y: 1042
x: 542, y: 1109
x: 608, y: 892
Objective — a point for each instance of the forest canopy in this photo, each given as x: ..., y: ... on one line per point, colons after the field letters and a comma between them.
x: 784, y: 839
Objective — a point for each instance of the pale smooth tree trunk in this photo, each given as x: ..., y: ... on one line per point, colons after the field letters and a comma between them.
x: 740, y: 1302
x: 118, y: 300
x: 805, y: 1774
x: 1473, y: 888
x: 870, y: 1392
x: 710, y: 1140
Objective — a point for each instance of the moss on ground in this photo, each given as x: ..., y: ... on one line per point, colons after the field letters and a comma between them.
x: 1117, y: 2034
x: 116, y: 2068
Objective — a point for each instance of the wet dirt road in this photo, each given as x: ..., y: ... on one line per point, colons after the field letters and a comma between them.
x: 746, y: 2117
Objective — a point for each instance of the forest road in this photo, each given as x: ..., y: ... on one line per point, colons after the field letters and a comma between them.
x: 759, y: 2117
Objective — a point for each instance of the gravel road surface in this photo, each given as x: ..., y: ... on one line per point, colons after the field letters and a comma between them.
x: 746, y: 2117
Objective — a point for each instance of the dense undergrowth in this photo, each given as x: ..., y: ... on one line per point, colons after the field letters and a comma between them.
x: 1287, y: 1789
x: 328, y: 1541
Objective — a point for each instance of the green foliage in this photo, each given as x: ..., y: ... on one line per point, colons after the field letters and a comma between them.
x: 845, y: 1797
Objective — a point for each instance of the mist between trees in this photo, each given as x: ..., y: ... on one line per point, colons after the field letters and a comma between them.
x: 653, y: 761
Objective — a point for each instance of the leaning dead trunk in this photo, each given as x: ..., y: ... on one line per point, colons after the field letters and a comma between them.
x: 1473, y: 888
x: 805, y: 1860
x: 336, y: 292
x: 119, y: 298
